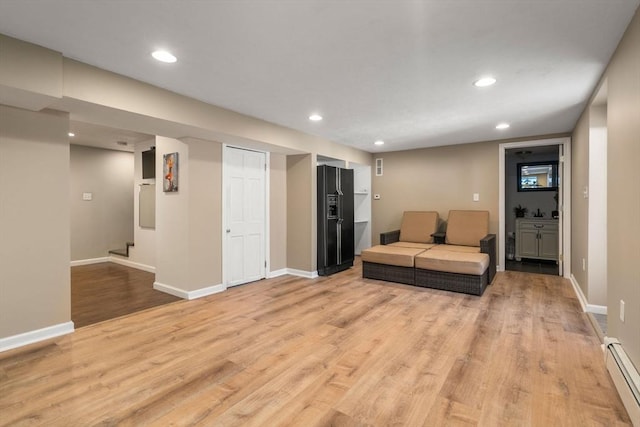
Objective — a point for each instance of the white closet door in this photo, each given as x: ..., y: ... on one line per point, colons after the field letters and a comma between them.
x: 245, y: 204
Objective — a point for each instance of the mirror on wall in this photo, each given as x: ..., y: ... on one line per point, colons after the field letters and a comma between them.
x: 538, y: 176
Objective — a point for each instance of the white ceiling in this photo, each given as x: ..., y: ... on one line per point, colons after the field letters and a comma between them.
x: 396, y: 70
x: 105, y: 137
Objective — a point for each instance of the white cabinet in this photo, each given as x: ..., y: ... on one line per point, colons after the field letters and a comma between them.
x: 536, y: 238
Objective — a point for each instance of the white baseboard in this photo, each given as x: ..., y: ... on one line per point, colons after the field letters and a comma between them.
x: 302, y: 273
x: 128, y: 263
x: 31, y: 337
x: 586, y: 307
x: 89, y: 261
x: 597, y: 309
x: 576, y: 288
x: 188, y: 295
x: 277, y: 273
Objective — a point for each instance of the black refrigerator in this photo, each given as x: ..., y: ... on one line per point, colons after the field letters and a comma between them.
x: 335, y: 219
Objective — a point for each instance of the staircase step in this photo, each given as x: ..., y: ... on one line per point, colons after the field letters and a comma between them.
x: 121, y: 252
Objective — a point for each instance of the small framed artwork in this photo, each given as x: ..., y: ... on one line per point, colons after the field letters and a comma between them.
x: 170, y: 172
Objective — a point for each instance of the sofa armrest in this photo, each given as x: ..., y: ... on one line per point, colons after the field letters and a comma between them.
x: 389, y: 237
x: 439, y: 237
x: 488, y: 246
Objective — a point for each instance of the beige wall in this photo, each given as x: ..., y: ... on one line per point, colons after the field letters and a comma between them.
x: 580, y: 205
x: 300, y: 213
x: 623, y: 191
x: 278, y: 212
x: 172, y: 219
x: 30, y: 76
x: 205, y: 213
x: 106, y: 221
x: 188, y: 222
x: 437, y: 179
x: 34, y: 221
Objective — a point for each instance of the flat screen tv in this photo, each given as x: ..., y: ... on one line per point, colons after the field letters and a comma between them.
x: 149, y: 164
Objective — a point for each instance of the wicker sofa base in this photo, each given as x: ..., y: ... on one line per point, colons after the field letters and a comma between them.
x: 465, y: 283
x: 390, y: 273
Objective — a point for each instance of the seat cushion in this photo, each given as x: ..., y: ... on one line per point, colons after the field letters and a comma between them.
x: 391, y: 255
x: 418, y: 226
x: 467, y: 228
x: 414, y: 245
x: 457, y: 248
x: 453, y: 262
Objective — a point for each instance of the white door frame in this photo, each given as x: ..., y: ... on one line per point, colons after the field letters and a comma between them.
x: 267, y: 237
x: 564, y: 206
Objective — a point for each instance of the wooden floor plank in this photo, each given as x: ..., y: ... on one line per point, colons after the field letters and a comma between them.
x: 337, y: 350
x: 107, y: 290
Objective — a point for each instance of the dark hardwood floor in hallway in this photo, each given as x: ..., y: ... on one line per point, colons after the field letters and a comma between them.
x: 107, y: 290
x: 337, y: 350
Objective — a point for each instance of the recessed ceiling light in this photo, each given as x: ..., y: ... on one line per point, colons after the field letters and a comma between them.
x: 315, y: 117
x: 484, y: 82
x: 72, y: 134
x: 379, y: 142
x: 164, y: 56
x: 502, y: 126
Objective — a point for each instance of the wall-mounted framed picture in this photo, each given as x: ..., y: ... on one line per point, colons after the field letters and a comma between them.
x: 170, y: 172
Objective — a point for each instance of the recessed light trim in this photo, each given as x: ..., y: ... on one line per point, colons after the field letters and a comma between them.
x: 71, y: 134
x: 484, y: 81
x: 379, y: 142
x: 502, y: 126
x: 164, y: 56
x: 315, y: 117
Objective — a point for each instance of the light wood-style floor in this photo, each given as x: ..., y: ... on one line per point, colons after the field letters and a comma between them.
x: 331, y: 351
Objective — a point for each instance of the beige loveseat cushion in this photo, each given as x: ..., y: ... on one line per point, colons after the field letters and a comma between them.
x: 414, y: 245
x: 466, y: 228
x: 390, y: 255
x: 418, y: 226
x: 457, y: 248
x: 453, y: 262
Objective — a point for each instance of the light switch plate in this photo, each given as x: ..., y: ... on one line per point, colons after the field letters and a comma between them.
x: 87, y: 196
x: 476, y: 197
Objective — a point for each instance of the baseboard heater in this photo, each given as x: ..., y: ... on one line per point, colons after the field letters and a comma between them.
x: 625, y: 377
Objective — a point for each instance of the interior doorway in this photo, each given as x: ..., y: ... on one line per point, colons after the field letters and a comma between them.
x: 534, y: 204
x: 112, y: 248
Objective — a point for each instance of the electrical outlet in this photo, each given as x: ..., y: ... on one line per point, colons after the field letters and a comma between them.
x: 622, y: 311
x: 476, y: 197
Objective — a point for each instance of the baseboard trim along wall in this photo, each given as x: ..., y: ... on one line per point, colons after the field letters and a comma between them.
x: 302, y: 273
x: 596, y: 309
x: 89, y: 261
x: 277, y: 273
x: 115, y: 260
x: 31, y: 337
x: 584, y: 304
x: 126, y: 262
x: 188, y: 295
